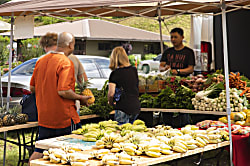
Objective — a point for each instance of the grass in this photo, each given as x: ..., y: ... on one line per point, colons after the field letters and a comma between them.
x: 12, y: 150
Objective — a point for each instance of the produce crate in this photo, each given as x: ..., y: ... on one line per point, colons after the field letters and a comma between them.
x: 142, y: 88
x: 161, y: 84
x: 153, y: 87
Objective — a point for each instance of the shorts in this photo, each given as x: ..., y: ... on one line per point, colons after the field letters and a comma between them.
x: 122, y: 118
x: 45, y: 133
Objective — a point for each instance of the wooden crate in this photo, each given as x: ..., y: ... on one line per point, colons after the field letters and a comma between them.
x: 153, y: 87
x: 142, y: 88
x: 162, y: 84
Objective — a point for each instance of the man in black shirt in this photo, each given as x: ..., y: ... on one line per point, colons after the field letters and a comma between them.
x: 181, y: 61
x: 179, y: 58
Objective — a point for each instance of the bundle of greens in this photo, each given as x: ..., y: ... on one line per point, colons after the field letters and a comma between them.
x: 212, y: 91
x: 146, y: 100
x: 183, y: 98
x: 165, y: 99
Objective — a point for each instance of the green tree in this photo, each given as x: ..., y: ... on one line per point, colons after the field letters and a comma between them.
x: 30, y: 49
x: 4, y: 51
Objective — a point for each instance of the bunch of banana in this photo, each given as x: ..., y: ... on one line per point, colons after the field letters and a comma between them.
x: 77, y: 157
x: 139, y: 122
x: 93, y: 134
x: 124, y: 132
x: 224, y: 135
x: 109, y: 126
x: 138, y: 128
x: 60, y: 156
x: 110, y: 159
x: 180, y: 146
x: 166, y: 149
x: 99, y: 154
x: 152, y: 148
x: 78, y: 131
x: 200, y: 142
x: 187, y: 130
x: 163, y: 139
x: 129, y: 148
x: 214, y: 138
x: 136, y: 139
x: 125, y: 159
x: 198, y: 132
x: 191, y: 144
x: 172, y: 133
x: 126, y: 126
x: 108, y: 140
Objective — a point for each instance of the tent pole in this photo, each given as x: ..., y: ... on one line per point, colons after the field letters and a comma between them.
x: 159, y: 20
x: 224, y: 32
x: 10, y: 61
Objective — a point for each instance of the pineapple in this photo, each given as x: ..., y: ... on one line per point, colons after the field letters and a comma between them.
x: 87, y: 92
x: 1, y: 122
x: 19, y: 117
x: 9, y: 120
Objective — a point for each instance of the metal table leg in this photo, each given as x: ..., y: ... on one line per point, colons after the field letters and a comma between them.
x: 4, y: 151
x: 19, y: 148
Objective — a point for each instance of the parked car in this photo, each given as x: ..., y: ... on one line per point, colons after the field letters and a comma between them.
x: 150, y: 65
x: 96, y: 68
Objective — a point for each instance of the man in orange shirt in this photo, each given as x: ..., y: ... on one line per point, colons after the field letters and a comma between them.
x: 53, y: 82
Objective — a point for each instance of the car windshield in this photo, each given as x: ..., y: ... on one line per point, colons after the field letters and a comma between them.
x: 104, y: 65
x: 90, y: 68
x: 25, y: 69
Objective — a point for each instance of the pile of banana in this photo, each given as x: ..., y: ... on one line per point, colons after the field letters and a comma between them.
x: 66, y: 155
x: 108, y: 140
x: 108, y: 158
x: 93, y: 135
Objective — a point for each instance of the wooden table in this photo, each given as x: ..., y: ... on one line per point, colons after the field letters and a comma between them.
x: 183, y: 111
x: 20, y: 132
x: 140, y: 160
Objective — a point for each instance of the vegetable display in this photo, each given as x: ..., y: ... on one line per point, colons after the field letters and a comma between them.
x: 237, y: 102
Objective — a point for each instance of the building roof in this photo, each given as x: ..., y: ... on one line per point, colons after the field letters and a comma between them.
x: 95, y: 29
x: 4, y: 25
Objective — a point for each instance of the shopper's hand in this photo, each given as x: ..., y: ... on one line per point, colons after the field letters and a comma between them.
x: 84, y: 100
x: 174, y: 71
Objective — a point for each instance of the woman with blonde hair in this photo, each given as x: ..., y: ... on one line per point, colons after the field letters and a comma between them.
x: 123, y: 91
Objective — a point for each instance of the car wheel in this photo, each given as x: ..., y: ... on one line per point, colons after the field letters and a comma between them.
x: 145, y: 69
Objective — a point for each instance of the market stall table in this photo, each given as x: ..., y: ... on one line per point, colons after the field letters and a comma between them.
x: 140, y: 160
x: 182, y: 111
x: 20, y: 132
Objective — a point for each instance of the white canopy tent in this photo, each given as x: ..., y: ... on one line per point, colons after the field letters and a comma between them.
x: 153, y: 9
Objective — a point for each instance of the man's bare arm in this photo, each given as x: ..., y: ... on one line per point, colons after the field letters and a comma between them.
x: 70, y: 94
x: 163, y: 66
x: 188, y: 70
x: 111, y: 93
x: 32, y: 89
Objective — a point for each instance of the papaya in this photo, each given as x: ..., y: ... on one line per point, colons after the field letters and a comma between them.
x: 240, y: 123
x: 238, y: 117
x: 244, y: 114
x: 232, y: 115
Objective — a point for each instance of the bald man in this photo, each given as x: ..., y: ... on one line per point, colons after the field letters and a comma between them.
x: 53, y: 82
